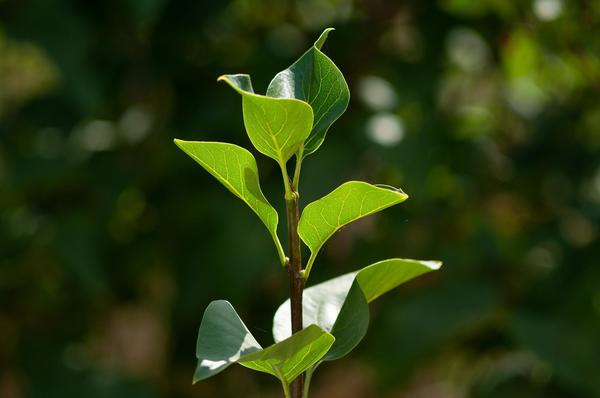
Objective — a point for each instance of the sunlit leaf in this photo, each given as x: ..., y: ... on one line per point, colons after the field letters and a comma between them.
x: 314, y: 78
x: 289, y: 358
x: 347, y: 203
x: 277, y: 127
x: 236, y: 169
x: 340, y: 305
x: 222, y: 340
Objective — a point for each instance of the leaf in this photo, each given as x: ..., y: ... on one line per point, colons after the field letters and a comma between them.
x: 289, y: 358
x: 314, y: 78
x: 347, y: 203
x: 236, y: 169
x: 373, y: 281
x: 340, y: 305
x: 277, y: 127
x: 222, y: 340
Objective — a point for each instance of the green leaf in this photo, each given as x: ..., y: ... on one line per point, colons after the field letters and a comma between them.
x: 277, y: 127
x: 373, y: 281
x: 289, y: 358
x: 314, y: 78
x: 347, y: 203
x: 236, y: 169
x: 340, y: 305
x: 222, y: 340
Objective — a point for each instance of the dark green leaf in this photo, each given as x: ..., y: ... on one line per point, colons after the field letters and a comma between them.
x: 222, y: 340
x: 314, y: 78
x: 339, y: 305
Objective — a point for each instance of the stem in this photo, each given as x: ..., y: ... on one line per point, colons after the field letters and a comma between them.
x: 299, y: 156
x: 307, y: 380
x: 294, y: 266
x: 286, y: 390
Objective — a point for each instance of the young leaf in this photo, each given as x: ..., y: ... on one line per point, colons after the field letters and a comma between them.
x: 277, y: 127
x: 222, y: 340
x: 314, y: 78
x: 347, y: 203
x: 339, y: 305
x: 289, y: 358
x: 236, y: 169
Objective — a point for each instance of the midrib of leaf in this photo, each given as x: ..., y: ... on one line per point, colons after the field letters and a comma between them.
x: 269, y: 132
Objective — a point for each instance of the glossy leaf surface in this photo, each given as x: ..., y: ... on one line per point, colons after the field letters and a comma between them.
x: 314, y: 78
x: 222, y: 340
x: 277, y: 127
x: 289, y: 358
x: 347, y: 203
x: 236, y: 169
x: 340, y: 305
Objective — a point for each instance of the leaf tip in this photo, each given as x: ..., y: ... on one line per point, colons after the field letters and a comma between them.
x: 239, y: 82
x: 433, y: 265
x: 321, y: 40
x: 178, y: 142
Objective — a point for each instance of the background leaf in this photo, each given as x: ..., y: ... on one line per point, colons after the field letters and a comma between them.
x: 314, y: 78
x: 277, y: 127
x: 236, y: 169
x: 222, y: 340
x: 289, y: 358
x: 347, y: 203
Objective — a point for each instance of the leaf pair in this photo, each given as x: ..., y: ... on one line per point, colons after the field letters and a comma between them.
x: 223, y: 340
x: 336, y: 318
x: 236, y: 169
x: 302, y: 102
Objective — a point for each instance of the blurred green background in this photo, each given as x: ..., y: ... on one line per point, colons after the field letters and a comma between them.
x: 112, y: 241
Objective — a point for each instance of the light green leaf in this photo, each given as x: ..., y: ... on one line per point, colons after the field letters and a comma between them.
x: 347, y: 203
x: 340, y: 305
x: 222, y: 340
x: 314, y: 78
x: 289, y: 358
x: 236, y: 169
x: 277, y: 127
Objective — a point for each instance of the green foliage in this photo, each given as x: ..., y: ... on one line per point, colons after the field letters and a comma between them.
x: 347, y: 203
x: 289, y: 358
x: 236, y: 169
x: 281, y: 125
x: 222, y: 340
x: 277, y: 127
x: 340, y: 305
x: 314, y: 78
x: 109, y: 235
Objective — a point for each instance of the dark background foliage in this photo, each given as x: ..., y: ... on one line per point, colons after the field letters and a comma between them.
x: 112, y: 241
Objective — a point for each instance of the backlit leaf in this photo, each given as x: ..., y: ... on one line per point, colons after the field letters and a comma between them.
x: 347, y: 203
x: 289, y: 358
x: 236, y: 169
x: 277, y: 127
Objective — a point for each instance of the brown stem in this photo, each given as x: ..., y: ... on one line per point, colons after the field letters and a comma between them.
x: 294, y: 267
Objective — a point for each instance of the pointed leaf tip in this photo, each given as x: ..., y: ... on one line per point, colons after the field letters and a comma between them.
x: 321, y: 40
x: 240, y: 82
